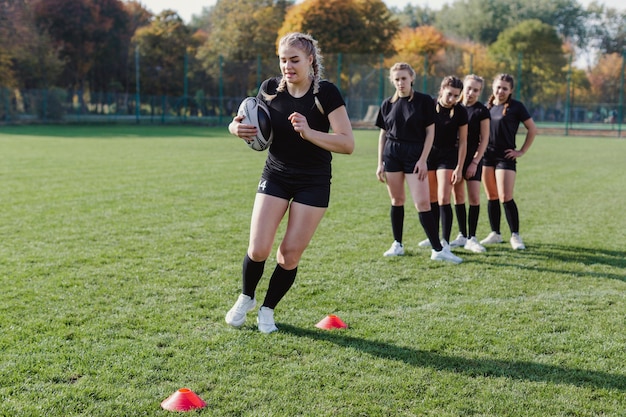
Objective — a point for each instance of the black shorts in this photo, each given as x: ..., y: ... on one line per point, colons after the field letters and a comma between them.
x: 479, y: 171
x: 442, y: 159
x: 311, y: 191
x: 499, y: 162
x: 401, y: 156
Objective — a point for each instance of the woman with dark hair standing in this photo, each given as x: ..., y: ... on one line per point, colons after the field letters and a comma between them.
x: 297, y: 173
x: 500, y: 160
x: 406, y: 122
x: 445, y: 162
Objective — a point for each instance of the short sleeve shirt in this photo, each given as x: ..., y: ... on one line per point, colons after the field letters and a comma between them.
x: 406, y: 120
x: 504, y: 127
x: 447, y: 123
x: 289, y: 153
x: 476, y: 113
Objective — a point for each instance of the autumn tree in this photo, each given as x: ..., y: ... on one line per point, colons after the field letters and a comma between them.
x: 90, y: 36
x: 534, y: 49
x: 348, y: 26
x: 605, y: 78
x: 421, y: 47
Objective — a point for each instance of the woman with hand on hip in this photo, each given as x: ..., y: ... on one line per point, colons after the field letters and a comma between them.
x: 500, y: 160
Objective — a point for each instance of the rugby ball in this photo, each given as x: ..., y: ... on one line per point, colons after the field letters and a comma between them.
x: 256, y: 113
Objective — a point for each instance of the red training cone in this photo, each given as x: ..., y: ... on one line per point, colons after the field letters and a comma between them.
x: 331, y: 322
x: 182, y: 400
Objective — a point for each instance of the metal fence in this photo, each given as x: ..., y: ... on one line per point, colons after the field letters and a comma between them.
x: 363, y: 81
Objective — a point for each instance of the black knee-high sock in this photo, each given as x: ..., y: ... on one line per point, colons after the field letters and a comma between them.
x: 427, y: 219
x: 512, y: 215
x: 397, y: 222
x: 446, y: 221
x: 494, y: 213
x: 251, y: 275
x: 434, y: 207
x: 474, y: 212
x: 461, y: 218
x: 280, y: 282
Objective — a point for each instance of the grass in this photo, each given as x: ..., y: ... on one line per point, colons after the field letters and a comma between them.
x: 121, y: 251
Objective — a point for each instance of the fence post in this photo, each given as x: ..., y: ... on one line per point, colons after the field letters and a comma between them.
x: 425, y: 80
x: 221, y: 90
x: 381, y: 81
x: 258, y: 70
x: 339, y: 57
x: 567, y: 96
x: 518, y: 85
x: 185, y: 87
x: 620, y: 112
x: 137, y: 85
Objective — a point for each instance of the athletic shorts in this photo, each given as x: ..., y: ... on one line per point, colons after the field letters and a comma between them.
x: 310, y: 191
x: 442, y: 159
x: 401, y: 156
x: 499, y: 162
x: 479, y: 171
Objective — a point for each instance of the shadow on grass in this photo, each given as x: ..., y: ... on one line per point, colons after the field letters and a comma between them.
x: 519, y: 370
x: 575, y: 256
x: 114, y: 131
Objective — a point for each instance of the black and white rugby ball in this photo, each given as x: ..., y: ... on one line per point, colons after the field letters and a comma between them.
x: 257, y: 114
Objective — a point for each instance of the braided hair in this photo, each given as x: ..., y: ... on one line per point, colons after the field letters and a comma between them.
x: 506, y: 78
x: 401, y: 66
x: 308, y: 45
x: 452, y: 82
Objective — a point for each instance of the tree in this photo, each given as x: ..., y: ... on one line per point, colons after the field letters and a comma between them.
x: 354, y: 26
x: 162, y: 49
x: 604, y: 79
x: 236, y: 40
x: 89, y: 34
x: 423, y: 45
x: 607, y: 29
x: 535, y: 49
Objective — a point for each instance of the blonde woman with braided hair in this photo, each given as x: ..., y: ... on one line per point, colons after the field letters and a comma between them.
x: 296, y: 178
x: 500, y: 160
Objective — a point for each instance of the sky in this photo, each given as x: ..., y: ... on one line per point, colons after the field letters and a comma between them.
x: 187, y: 8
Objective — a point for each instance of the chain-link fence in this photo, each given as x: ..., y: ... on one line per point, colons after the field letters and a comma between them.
x: 363, y: 80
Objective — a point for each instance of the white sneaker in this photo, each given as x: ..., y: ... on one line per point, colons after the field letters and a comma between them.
x: 424, y: 244
x: 492, y: 237
x: 396, y: 249
x: 445, y: 255
x: 459, y: 241
x: 473, y: 245
x: 265, y: 320
x: 236, y: 316
x: 444, y: 243
x: 516, y: 242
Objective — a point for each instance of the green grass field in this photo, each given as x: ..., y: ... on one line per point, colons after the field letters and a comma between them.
x: 121, y: 251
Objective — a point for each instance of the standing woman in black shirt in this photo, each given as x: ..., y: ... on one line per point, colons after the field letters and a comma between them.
x: 500, y: 161
x: 477, y: 137
x: 406, y: 122
x: 445, y: 162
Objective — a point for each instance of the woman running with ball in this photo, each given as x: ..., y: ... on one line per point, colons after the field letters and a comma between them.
x: 296, y: 177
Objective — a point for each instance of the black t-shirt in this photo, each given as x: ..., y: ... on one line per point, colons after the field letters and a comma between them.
x: 406, y: 120
x: 447, y: 123
x: 504, y: 127
x: 476, y: 113
x: 289, y: 153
